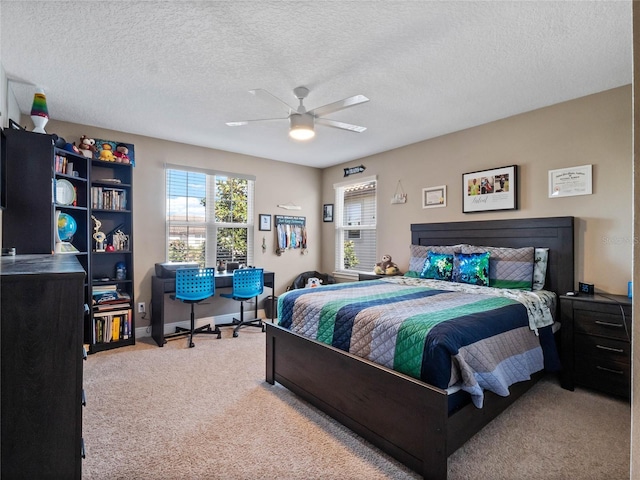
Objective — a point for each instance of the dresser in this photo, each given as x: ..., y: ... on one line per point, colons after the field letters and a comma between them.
x: 42, y: 307
x: 596, y: 342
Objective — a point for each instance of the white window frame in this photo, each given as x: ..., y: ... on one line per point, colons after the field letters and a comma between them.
x: 210, y: 225
x: 341, y: 229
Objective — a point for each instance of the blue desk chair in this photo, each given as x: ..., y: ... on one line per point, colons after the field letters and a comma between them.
x: 247, y: 284
x: 194, y: 285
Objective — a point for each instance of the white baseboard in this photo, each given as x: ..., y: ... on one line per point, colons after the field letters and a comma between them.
x: 218, y: 319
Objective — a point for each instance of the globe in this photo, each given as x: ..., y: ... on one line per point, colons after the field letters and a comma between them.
x: 67, y: 227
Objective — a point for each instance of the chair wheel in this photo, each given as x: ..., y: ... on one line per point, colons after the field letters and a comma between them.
x: 191, y: 344
x: 235, y: 334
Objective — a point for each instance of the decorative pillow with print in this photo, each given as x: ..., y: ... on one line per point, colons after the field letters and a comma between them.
x: 418, y: 256
x: 509, y: 267
x: 541, y: 258
x: 473, y: 268
x: 438, y: 266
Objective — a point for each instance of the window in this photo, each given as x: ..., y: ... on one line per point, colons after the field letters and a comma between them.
x: 355, y: 221
x: 209, y: 216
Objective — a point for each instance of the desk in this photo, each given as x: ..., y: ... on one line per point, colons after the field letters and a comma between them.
x: 160, y: 286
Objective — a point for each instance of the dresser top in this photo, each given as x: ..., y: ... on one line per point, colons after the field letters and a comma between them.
x: 39, y: 264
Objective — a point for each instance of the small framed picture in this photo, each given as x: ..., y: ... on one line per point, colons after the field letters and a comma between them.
x: 433, y: 197
x: 327, y: 212
x: 265, y: 222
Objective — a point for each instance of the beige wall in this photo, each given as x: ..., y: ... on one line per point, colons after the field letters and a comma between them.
x: 276, y: 183
x: 592, y: 130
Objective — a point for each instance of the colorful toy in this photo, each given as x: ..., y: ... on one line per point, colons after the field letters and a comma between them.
x: 87, y: 146
x: 106, y: 154
x: 121, y: 153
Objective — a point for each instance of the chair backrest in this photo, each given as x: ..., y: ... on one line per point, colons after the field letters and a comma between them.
x: 195, y: 283
x: 248, y: 282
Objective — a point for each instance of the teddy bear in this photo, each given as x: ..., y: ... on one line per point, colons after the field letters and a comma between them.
x: 121, y: 153
x: 386, y: 266
x: 106, y: 153
x: 87, y: 146
x: 313, y: 282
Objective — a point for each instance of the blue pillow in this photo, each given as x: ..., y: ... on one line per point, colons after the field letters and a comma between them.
x: 473, y: 268
x: 438, y: 266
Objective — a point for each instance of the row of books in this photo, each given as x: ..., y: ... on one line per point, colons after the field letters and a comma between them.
x: 108, y: 198
x: 62, y: 165
x: 111, y: 326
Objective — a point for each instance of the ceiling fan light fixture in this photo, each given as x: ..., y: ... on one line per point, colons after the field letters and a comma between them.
x: 301, y: 127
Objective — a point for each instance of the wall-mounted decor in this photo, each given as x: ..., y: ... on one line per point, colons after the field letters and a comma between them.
x: 399, y: 196
x: 433, y: 197
x: 327, y: 212
x: 571, y: 181
x: 353, y: 170
x: 265, y: 222
x: 485, y: 190
x: 291, y: 232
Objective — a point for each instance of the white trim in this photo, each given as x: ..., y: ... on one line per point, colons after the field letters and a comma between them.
x: 370, y: 178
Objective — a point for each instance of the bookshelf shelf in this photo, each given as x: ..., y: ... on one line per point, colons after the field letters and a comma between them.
x: 111, y: 325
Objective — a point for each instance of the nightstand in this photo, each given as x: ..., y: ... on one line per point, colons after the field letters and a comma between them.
x: 369, y: 276
x: 596, y: 342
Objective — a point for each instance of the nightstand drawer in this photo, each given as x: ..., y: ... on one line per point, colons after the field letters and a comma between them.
x: 611, y: 325
x: 602, y: 348
x: 609, y: 376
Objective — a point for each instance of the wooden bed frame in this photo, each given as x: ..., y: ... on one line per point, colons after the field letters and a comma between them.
x: 406, y: 418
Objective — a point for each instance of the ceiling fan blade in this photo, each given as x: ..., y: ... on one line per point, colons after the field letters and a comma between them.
x: 340, y: 125
x: 339, y: 105
x: 240, y: 123
x: 259, y: 92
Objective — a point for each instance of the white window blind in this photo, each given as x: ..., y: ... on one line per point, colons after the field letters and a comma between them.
x: 209, y: 216
x: 355, y: 221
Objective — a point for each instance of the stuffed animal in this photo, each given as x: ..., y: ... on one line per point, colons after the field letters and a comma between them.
x: 386, y: 266
x: 313, y: 282
x: 71, y: 147
x: 121, y: 153
x: 87, y: 146
x: 106, y: 153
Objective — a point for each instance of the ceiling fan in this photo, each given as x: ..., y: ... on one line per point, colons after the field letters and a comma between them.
x: 301, y: 121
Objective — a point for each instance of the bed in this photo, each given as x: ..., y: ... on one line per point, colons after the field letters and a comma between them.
x: 405, y: 417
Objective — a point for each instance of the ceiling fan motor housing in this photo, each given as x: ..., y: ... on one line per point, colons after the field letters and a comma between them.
x: 301, y: 126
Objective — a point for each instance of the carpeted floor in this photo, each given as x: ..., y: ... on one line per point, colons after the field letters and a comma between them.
x: 207, y: 413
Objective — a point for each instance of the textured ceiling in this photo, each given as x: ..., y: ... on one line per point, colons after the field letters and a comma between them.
x: 179, y: 70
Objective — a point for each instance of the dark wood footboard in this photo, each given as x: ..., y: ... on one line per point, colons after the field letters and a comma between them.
x: 403, y: 417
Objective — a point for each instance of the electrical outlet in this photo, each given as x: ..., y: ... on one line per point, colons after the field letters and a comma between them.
x: 142, y: 308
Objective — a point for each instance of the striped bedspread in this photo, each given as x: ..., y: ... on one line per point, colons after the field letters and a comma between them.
x: 477, y: 338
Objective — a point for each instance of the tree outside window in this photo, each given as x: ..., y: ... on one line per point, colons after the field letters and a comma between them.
x: 198, y: 233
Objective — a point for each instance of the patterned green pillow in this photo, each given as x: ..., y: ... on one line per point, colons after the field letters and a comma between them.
x: 473, y: 268
x: 438, y: 266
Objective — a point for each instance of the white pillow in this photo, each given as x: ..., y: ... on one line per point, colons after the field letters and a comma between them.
x: 540, y: 259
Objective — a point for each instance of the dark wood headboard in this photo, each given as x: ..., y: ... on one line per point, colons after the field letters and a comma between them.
x: 556, y: 233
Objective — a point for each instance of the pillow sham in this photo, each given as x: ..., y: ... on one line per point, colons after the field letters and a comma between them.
x: 438, y: 266
x: 418, y: 254
x: 509, y: 267
x: 540, y: 260
x: 473, y: 268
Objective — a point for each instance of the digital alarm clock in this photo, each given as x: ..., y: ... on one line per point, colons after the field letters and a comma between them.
x: 586, y: 288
